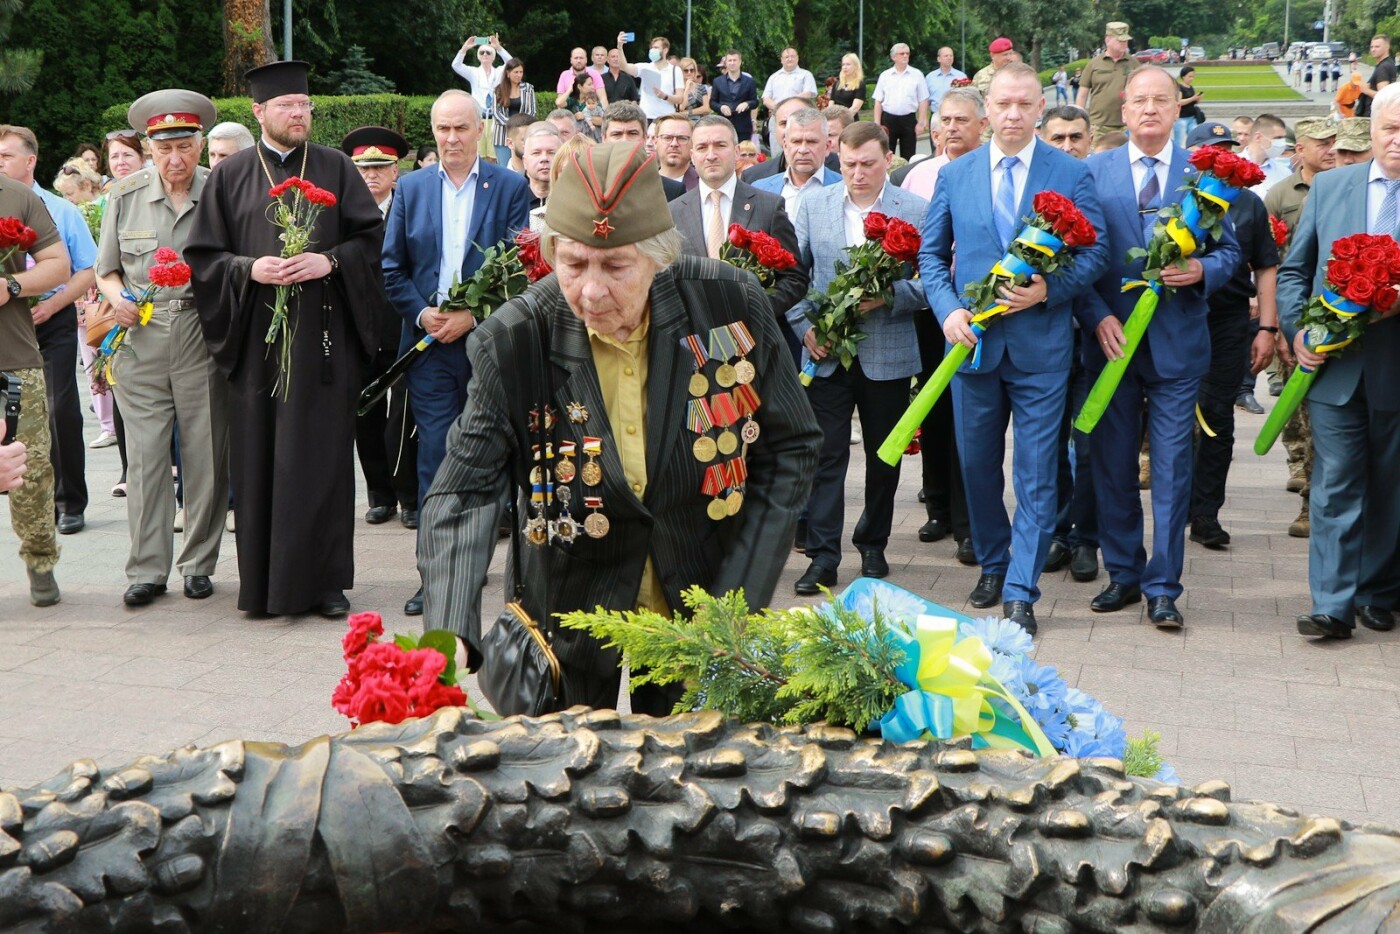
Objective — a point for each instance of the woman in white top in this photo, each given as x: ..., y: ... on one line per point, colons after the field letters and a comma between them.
x: 485, y: 76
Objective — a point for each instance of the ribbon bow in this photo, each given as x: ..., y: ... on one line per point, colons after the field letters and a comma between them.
x: 1010, y: 267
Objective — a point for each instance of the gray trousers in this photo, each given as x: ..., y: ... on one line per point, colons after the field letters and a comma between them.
x: 167, y: 374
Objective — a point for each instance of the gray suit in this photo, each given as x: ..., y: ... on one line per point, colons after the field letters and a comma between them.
x: 1354, y: 548
x: 488, y: 447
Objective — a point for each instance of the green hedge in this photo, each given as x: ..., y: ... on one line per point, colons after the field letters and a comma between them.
x: 335, y: 116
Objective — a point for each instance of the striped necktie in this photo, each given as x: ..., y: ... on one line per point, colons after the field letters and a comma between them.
x: 1006, y: 200
x: 1149, y: 195
x: 714, y: 230
x: 1390, y: 211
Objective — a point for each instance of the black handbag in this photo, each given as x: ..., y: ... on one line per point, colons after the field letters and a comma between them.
x: 520, y: 674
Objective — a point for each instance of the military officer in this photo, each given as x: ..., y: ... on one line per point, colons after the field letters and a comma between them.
x: 1353, y: 143
x: 168, y: 374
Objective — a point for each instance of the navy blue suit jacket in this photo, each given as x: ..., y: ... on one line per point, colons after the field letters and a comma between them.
x: 1178, y: 335
x: 960, y: 218
x: 413, y: 237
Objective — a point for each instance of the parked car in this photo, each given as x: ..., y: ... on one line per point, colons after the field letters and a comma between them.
x: 1195, y: 54
x: 1321, y: 52
x: 1270, y: 50
x: 1155, y: 56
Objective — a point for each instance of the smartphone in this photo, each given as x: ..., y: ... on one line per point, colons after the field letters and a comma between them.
x: 629, y: 37
x: 10, y: 386
x: 483, y: 40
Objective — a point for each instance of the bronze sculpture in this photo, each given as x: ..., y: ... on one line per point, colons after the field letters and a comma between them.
x: 589, y: 820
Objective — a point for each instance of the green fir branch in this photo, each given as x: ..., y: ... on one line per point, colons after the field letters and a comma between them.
x: 1141, y: 757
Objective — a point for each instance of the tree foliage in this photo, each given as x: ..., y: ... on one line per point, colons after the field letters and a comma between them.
x: 356, y: 76
x: 19, y: 67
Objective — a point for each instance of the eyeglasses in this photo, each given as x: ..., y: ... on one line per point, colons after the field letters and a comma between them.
x: 121, y: 134
x: 293, y: 107
x: 673, y: 140
x: 1159, y: 102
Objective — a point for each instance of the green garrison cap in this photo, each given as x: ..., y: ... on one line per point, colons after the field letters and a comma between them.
x: 609, y: 195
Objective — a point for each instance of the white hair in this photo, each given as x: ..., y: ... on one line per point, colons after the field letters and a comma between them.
x: 234, y: 131
x: 457, y: 94
x: 899, y: 47
x: 663, y: 248
x: 1387, y: 96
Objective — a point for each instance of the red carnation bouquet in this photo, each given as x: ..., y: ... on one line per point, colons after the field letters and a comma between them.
x: 758, y: 252
x: 1361, y: 281
x: 527, y: 244
x: 166, y: 272
x: 1279, y: 230
x: 15, y: 237
x: 1179, y: 232
x: 297, y: 220
x: 870, y: 271
x: 389, y: 682
x: 1042, y: 247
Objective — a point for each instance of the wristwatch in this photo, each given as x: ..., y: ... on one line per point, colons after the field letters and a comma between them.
x: 1268, y: 327
x: 13, y: 287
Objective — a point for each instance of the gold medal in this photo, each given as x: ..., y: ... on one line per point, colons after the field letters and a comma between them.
x: 566, y: 471
x: 749, y: 433
x: 537, y: 531
x: 566, y: 528
x: 596, y: 525
x: 727, y: 442
x: 704, y: 449
x: 537, y: 476
x: 717, y: 509
x: 592, y: 473
x: 699, y: 385
x: 725, y: 375
x: 733, y: 503
x: 744, y: 372
x: 577, y: 411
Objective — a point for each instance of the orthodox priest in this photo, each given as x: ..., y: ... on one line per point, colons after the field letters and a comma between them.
x: 293, y: 459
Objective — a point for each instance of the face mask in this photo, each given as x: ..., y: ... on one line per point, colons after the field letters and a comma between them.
x: 1277, y: 146
x: 654, y: 55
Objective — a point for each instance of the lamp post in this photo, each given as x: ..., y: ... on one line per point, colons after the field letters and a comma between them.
x: 687, y: 28
x: 287, y: 30
x: 860, y: 31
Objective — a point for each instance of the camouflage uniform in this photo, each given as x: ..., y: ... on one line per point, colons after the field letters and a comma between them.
x: 1297, y: 441
x: 31, y: 506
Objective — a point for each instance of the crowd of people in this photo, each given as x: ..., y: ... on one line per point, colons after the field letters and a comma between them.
x: 612, y: 396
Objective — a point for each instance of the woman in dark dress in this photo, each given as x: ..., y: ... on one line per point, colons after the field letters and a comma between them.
x: 849, y: 91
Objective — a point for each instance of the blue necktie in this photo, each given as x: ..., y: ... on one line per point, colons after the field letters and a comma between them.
x: 1149, y: 196
x: 1390, y: 211
x: 1006, y: 200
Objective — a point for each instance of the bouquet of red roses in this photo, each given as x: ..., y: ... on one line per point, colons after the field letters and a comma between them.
x: 15, y: 237
x: 389, y: 682
x: 1042, y: 247
x: 1279, y: 229
x: 1360, y: 283
x: 870, y: 271
x: 1180, y: 230
x: 527, y: 243
x: 168, y: 272
x: 758, y: 252
x: 297, y: 219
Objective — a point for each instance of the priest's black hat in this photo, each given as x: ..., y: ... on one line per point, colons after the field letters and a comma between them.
x: 276, y: 79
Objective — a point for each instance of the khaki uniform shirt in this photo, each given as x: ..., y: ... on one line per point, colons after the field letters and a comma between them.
x: 1285, y: 201
x: 622, y: 376
x: 140, y: 218
x: 1106, y: 80
x: 982, y: 81
x: 19, y: 348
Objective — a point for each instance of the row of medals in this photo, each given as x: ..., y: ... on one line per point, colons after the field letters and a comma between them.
x: 539, y: 529
x: 726, y: 443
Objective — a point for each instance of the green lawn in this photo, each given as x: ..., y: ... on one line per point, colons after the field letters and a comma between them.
x: 1246, y: 83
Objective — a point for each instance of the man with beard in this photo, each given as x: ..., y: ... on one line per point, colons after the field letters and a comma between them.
x: 292, y: 466
x: 673, y: 134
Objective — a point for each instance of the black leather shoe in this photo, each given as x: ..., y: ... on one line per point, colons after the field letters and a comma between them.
x: 1116, y: 596
x: 68, y: 524
x: 923, y: 496
x: 1020, y: 612
x: 815, y: 578
x: 1164, y: 614
x: 966, y: 555
x: 198, y: 586
x: 334, y: 604
x: 409, y: 518
x: 873, y: 563
x: 1328, y: 627
x: 1206, y: 530
x: 1056, y: 558
x: 414, y: 604
x: 1375, y: 617
x: 934, y: 530
x: 378, y: 515
x: 988, y: 591
x: 1084, y: 567
x: 799, y: 537
x: 142, y: 594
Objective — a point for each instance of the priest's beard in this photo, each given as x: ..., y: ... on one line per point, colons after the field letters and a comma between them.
x: 289, y: 137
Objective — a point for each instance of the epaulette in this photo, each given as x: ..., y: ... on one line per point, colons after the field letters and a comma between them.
x: 136, y: 180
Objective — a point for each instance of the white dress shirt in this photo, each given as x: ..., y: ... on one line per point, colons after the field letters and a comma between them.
x: 784, y: 84
x: 1163, y: 166
x: 792, y: 194
x: 855, y: 216
x: 899, y: 93
x: 457, y: 204
x: 1375, y: 197
x: 1019, y: 174
x: 726, y: 202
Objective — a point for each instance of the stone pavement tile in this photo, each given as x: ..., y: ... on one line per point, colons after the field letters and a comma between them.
x: 223, y: 734
x: 1329, y: 725
x: 1097, y: 678
x: 1132, y: 628
x: 67, y: 664
x: 145, y: 671
x: 28, y: 762
x: 1207, y: 598
x: 1054, y: 650
x: 1194, y: 770
x: 315, y: 721
x: 1229, y: 688
x: 1169, y: 711
x: 56, y: 725
x: 1358, y: 650
x: 1382, y: 798
x: 13, y: 656
x: 1355, y: 758
x: 243, y: 680
x: 1235, y: 643
x: 1240, y: 746
x: 143, y: 701
x: 321, y: 661
x: 244, y: 652
x: 122, y: 640
x: 1310, y: 790
x: 1370, y: 729
x: 1311, y: 696
x: 1161, y: 658
x: 1379, y: 677
x: 1390, y: 654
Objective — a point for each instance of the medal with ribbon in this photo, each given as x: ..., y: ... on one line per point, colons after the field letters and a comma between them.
x: 725, y: 414
x: 744, y: 371
x: 565, y: 470
x: 738, y: 475
x: 746, y: 399
x: 716, y: 482
x: 565, y: 526
x: 700, y: 420
x: 723, y: 347
x: 699, y: 385
x: 592, y: 472
x: 595, y: 524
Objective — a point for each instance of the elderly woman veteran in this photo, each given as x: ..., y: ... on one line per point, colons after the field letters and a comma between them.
x: 602, y: 369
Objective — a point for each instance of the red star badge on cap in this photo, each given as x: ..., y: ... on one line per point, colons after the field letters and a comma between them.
x: 601, y: 228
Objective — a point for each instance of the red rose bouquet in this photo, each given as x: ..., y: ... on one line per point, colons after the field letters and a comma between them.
x: 167, y: 272
x: 1042, y: 247
x: 297, y: 220
x: 758, y: 252
x: 389, y: 682
x: 869, y: 271
x: 1279, y: 229
x: 1180, y: 230
x: 15, y: 237
x: 1361, y: 281
x: 527, y: 243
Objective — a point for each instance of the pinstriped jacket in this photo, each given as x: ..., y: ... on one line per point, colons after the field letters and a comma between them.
x: 489, y: 447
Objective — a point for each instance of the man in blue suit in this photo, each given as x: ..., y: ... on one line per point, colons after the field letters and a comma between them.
x: 1023, y: 374
x: 877, y: 384
x: 440, y: 221
x: 1354, y: 549
x: 804, y: 147
x: 1137, y: 180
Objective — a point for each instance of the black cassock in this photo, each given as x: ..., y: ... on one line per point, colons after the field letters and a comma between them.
x: 292, y: 461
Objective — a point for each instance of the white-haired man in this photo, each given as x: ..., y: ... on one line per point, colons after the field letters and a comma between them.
x: 901, y: 102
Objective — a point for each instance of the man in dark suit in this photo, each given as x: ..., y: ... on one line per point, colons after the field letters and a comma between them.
x: 439, y: 223
x: 714, y: 151
x: 603, y: 346
x: 624, y: 122
x: 1023, y: 374
x: 1164, y: 377
x: 1354, y: 548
